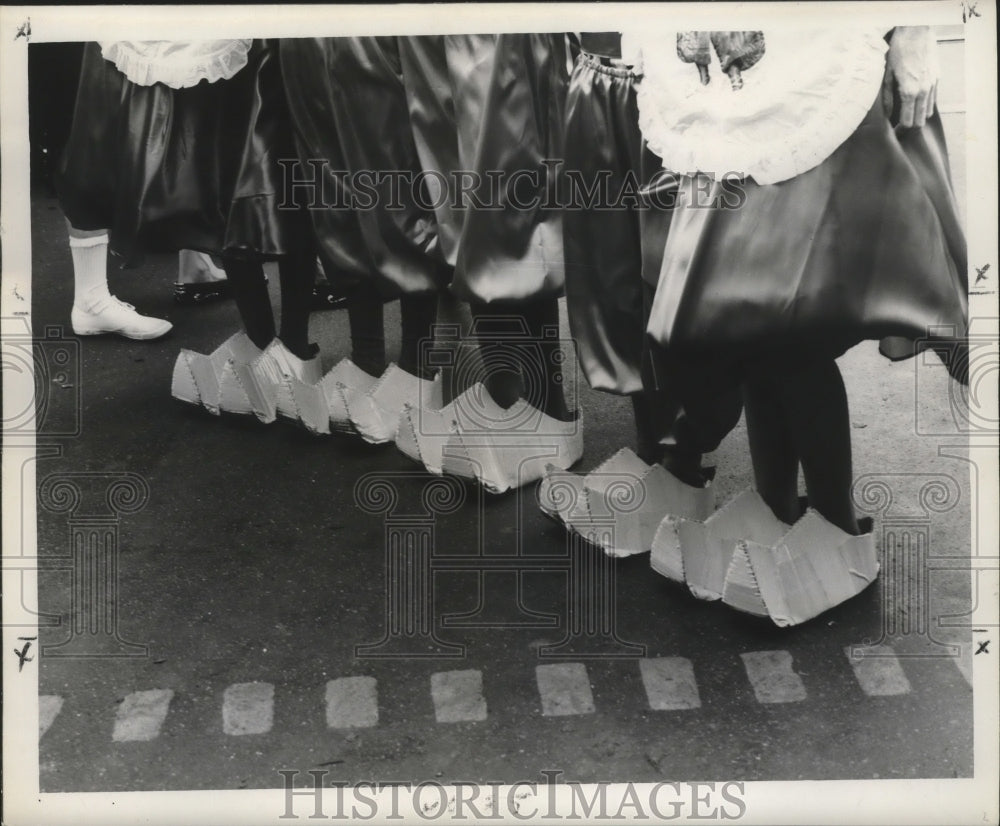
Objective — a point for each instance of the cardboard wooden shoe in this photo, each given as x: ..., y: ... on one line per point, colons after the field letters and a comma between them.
x: 560, y: 489
x: 700, y: 553
x: 197, y: 377
x: 813, y: 567
x: 514, y: 446
x: 424, y: 431
x: 375, y: 415
x: 254, y: 388
x: 340, y: 387
x: 624, y: 513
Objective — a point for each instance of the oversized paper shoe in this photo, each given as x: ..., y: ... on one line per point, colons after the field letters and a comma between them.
x: 376, y: 413
x: 341, y: 387
x: 257, y: 387
x: 812, y: 568
x: 197, y: 377
x: 475, y: 438
x: 747, y: 557
x: 619, y: 505
x: 699, y: 552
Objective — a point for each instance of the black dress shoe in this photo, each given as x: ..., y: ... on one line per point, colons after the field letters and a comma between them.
x: 326, y: 297
x: 202, y: 292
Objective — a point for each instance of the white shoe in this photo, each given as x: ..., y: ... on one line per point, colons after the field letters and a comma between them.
x: 625, y: 511
x: 254, y: 387
x: 376, y: 414
x: 700, y: 553
x: 197, y: 377
x: 119, y: 318
x: 343, y: 385
x: 812, y: 568
x: 559, y: 490
x: 506, y: 448
x: 619, y: 505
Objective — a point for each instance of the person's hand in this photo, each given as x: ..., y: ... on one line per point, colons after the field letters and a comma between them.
x: 911, y: 71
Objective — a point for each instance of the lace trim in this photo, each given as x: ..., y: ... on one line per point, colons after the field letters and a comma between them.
x: 178, y: 65
x: 766, y: 132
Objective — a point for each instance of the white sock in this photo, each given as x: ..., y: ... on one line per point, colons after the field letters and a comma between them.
x: 90, y: 272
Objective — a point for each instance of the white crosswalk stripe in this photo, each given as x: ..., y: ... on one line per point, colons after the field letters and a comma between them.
x: 772, y: 677
x: 352, y: 702
x: 564, y: 689
x: 248, y: 708
x: 878, y: 671
x: 458, y: 696
x: 49, y: 706
x: 141, y: 714
x: 669, y: 683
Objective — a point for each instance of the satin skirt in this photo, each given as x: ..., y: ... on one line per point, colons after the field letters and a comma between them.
x: 447, y: 78
x: 487, y: 111
x: 604, y: 247
x: 167, y: 169
x: 864, y: 246
x: 372, y: 213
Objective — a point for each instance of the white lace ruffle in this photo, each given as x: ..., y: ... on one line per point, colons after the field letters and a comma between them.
x: 807, y: 95
x: 178, y: 64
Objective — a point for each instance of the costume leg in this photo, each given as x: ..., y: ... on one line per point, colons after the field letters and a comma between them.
x: 365, y: 315
x: 815, y: 400
x: 418, y: 313
x: 252, y: 299
x: 772, y: 447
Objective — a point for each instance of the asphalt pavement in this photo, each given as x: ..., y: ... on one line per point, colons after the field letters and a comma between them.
x: 251, y: 622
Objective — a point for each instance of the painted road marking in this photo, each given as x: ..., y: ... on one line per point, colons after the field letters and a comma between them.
x: 670, y: 683
x: 352, y: 702
x: 564, y: 689
x: 49, y: 706
x: 879, y: 672
x: 458, y: 696
x: 141, y: 714
x: 772, y: 677
x: 248, y: 708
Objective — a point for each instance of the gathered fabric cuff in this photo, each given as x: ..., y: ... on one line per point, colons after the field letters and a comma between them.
x: 177, y: 64
x: 804, y: 98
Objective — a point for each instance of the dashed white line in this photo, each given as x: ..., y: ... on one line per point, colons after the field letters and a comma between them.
x: 772, y: 677
x: 669, y: 683
x: 141, y: 714
x: 49, y: 706
x: 352, y: 702
x: 458, y: 696
x: 248, y: 708
x: 564, y: 689
x: 878, y: 671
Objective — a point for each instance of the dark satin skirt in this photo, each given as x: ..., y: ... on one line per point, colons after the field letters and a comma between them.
x: 515, y: 253
x: 866, y: 245
x: 483, y: 108
x: 166, y: 169
x: 447, y: 78
x: 351, y: 117
x: 603, y: 247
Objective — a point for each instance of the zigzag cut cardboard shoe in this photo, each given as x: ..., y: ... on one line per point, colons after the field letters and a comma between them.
x: 620, y: 505
x: 197, y: 377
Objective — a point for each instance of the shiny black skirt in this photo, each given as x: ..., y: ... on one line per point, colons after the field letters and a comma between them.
x: 370, y: 211
x: 167, y: 169
x: 866, y: 245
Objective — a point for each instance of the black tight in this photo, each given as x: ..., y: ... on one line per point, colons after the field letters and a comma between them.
x: 297, y: 273
x: 520, y: 348
x: 366, y: 315
x: 798, y: 414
